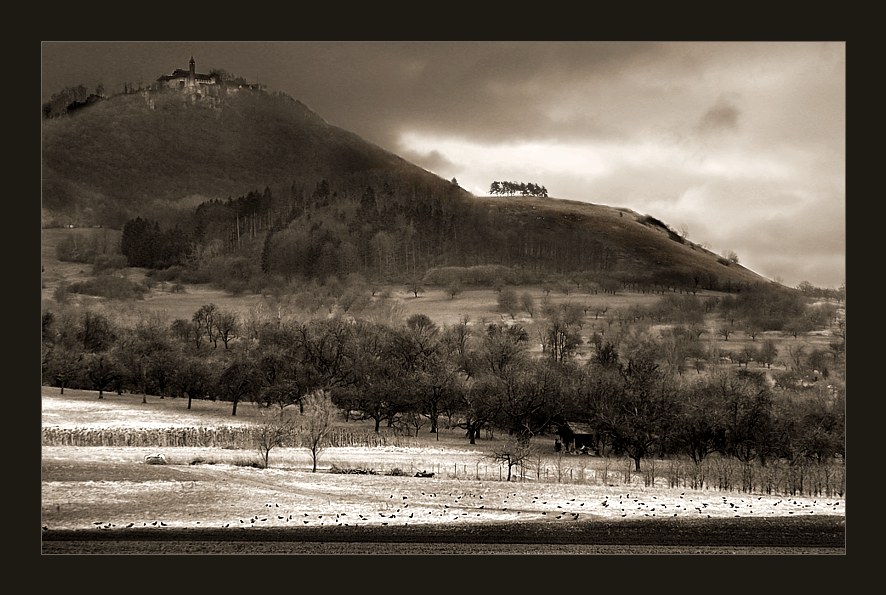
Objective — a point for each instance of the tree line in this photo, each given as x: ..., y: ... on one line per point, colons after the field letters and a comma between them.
x: 492, y: 376
x: 523, y: 188
x: 382, y: 229
x: 70, y: 99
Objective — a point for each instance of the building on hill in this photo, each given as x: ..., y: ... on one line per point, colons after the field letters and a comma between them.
x: 187, y: 79
x: 196, y: 85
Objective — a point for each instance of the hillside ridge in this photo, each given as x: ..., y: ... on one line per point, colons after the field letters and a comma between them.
x: 234, y: 166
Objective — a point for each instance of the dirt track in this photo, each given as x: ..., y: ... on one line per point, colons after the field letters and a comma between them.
x: 819, y: 535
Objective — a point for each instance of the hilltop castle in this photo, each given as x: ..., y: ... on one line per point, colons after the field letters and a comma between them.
x: 188, y: 79
x: 196, y: 88
x: 196, y: 85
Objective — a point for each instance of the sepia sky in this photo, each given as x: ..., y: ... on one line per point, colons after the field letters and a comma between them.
x: 740, y: 144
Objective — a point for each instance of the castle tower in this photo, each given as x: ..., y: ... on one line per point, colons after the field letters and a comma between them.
x: 193, y: 66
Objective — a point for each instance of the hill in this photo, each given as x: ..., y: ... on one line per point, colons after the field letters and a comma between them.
x: 245, y: 174
x: 113, y: 159
x: 631, y: 245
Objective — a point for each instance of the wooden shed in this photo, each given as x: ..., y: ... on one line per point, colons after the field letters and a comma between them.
x: 575, y: 435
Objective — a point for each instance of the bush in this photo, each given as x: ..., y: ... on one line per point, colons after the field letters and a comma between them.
x: 109, y: 286
x: 676, y: 237
x: 173, y: 273
x: 652, y: 221
x: 76, y: 248
x: 352, y: 470
x: 109, y: 262
x: 196, y: 276
x: 244, y: 462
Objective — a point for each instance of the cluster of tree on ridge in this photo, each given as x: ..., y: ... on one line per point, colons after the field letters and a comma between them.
x: 523, y: 188
x: 70, y: 99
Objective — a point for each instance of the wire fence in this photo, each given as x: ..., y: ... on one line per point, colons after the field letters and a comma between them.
x: 778, y: 477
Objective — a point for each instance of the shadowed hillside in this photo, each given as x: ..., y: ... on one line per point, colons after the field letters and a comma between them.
x: 258, y: 180
x: 109, y: 161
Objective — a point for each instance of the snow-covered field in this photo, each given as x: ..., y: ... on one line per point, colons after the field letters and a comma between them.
x: 112, y: 487
x: 123, y: 491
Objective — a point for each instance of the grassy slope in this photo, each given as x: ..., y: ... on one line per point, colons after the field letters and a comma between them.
x: 643, y: 247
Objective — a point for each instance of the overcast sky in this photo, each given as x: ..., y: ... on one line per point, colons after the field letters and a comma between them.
x: 740, y: 144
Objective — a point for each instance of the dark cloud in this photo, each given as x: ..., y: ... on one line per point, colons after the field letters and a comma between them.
x: 494, y: 91
x: 499, y: 90
x: 723, y: 115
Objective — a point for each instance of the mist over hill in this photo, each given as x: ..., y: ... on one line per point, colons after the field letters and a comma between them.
x: 248, y: 183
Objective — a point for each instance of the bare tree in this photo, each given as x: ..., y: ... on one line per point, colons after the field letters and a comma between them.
x: 141, y: 349
x: 101, y: 371
x: 796, y: 355
x: 412, y: 419
x: 697, y: 330
x: 239, y: 380
x: 275, y: 428
x: 753, y: 328
x: 767, y: 353
x: 204, y: 318
x: 64, y: 365
x: 453, y: 290
x: 528, y: 303
x: 316, y: 423
x: 511, y: 452
x: 187, y: 331
x: 508, y: 302
x: 414, y: 287
x: 225, y: 326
